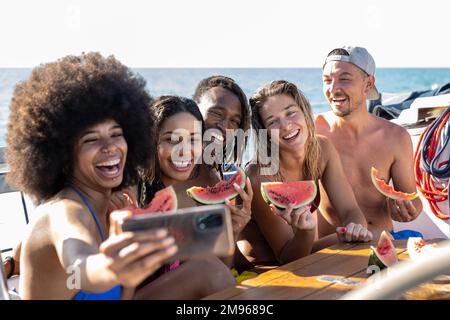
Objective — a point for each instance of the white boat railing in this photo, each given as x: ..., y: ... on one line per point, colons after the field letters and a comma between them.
x: 14, y: 213
x: 392, y: 282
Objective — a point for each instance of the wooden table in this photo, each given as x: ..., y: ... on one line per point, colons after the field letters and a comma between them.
x: 326, y: 275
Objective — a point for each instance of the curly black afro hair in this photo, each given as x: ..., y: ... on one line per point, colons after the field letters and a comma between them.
x: 49, y: 111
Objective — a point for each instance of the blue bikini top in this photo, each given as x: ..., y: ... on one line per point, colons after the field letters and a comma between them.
x: 111, y: 294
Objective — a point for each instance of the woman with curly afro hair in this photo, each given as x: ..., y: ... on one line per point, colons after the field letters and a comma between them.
x: 78, y: 129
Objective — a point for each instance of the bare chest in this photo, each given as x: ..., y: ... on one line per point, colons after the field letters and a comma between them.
x: 357, y: 159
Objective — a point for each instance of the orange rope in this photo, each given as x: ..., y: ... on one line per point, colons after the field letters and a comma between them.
x: 432, y: 191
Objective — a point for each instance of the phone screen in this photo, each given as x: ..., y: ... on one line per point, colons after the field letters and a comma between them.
x: 198, y: 231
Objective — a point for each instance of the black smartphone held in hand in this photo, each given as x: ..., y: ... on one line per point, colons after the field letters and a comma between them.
x: 198, y: 231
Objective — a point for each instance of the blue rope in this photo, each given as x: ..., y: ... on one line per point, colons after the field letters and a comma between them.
x: 433, y: 167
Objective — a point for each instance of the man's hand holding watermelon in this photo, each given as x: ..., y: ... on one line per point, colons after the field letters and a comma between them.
x: 241, y: 213
x: 399, y: 204
x: 402, y: 210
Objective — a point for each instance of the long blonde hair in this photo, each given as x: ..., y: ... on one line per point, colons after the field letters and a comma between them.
x: 311, y: 168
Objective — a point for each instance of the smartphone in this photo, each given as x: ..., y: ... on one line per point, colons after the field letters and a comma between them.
x: 198, y: 231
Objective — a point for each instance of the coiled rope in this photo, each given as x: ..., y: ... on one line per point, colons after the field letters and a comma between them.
x: 432, y: 167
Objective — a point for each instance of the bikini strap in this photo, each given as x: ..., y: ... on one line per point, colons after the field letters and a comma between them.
x: 90, y: 210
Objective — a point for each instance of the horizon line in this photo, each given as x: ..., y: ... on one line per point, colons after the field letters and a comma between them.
x: 235, y: 67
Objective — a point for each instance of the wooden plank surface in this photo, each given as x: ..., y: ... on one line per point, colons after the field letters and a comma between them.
x: 313, y: 277
x: 337, y: 290
x: 327, y: 274
x: 271, y: 275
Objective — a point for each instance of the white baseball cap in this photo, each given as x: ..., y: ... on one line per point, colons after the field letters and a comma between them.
x: 361, y: 58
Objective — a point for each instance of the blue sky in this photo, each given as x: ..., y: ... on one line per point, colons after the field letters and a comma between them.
x: 231, y: 33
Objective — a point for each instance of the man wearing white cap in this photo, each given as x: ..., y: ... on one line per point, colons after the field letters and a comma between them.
x: 364, y: 141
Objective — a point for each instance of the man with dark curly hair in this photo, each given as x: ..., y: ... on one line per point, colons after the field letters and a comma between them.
x: 224, y: 106
x: 78, y: 129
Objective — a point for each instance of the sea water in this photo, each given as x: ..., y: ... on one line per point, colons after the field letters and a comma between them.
x: 163, y: 81
x: 183, y: 82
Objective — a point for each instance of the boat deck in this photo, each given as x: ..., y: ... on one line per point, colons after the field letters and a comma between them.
x: 325, y: 275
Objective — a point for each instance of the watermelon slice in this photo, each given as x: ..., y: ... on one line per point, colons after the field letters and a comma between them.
x: 165, y: 200
x: 384, y: 255
x: 418, y: 248
x: 296, y: 193
x: 221, y: 191
x: 388, y: 190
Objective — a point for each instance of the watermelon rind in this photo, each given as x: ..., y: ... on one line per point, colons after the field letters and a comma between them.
x: 376, y: 258
x: 193, y: 192
x: 390, y: 192
x: 416, y: 253
x: 165, y: 192
x: 281, y: 206
x: 263, y: 192
x: 150, y: 208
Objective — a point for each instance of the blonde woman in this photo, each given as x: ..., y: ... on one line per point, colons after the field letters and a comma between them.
x: 281, y: 236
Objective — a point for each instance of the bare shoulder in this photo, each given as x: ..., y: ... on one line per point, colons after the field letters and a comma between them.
x: 392, y: 132
x: 327, y: 150
x: 328, y: 117
x: 53, y: 211
x: 324, y: 121
x: 69, y: 219
x: 51, y: 217
x: 38, y: 229
x: 325, y: 144
x: 65, y: 210
x: 387, y: 125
